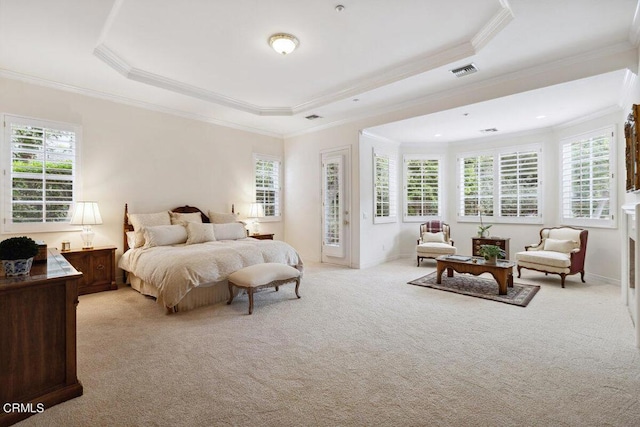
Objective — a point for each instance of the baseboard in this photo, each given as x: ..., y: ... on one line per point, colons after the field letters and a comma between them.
x: 378, y: 261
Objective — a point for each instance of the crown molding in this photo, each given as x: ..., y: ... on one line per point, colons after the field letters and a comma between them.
x: 374, y: 80
x: 12, y: 75
x: 369, y: 134
x: 587, y: 58
x: 614, y: 109
x: 499, y: 21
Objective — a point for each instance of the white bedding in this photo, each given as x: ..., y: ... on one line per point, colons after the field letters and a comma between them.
x: 176, y: 270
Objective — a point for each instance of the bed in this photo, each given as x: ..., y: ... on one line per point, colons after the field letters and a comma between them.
x: 185, y: 274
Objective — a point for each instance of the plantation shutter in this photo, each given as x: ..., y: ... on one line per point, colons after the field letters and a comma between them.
x: 476, y: 176
x: 422, y: 188
x: 587, y: 179
x: 519, y: 184
x: 267, y: 185
x: 42, y: 174
x: 385, y: 188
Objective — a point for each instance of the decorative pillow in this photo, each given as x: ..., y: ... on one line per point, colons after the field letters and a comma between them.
x: 222, y: 218
x: 564, y: 246
x: 184, y: 218
x: 231, y: 231
x: 131, y: 239
x: 164, y: 235
x: 433, y: 237
x: 140, y: 221
x: 199, y: 233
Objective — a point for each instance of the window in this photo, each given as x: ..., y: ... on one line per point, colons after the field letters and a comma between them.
x: 476, y: 176
x: 385, y: 188
x: 519, y: 184
x: 515, y: 198
x: 422, y: 188
x: 40, y: 162
x: 268, y: 191
x: 588, y: 185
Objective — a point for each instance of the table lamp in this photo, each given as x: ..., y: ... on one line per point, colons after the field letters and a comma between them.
x: 86, y: 214
x: 256, y: 211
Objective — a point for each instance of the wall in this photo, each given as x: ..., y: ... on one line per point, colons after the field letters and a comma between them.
x: 150, y: 160
x: 379, y: 242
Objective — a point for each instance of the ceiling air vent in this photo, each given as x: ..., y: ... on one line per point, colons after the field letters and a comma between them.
x: 464, y: 70
x: 313, y: 117
x: 489, y: 130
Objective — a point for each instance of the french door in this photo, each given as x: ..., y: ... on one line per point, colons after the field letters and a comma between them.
x: 335, y: 207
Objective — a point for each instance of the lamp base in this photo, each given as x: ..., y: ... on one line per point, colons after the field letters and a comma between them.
x: 87, y: 237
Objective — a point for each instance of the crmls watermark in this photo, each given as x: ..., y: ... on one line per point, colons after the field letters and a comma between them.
x: 30, y: 408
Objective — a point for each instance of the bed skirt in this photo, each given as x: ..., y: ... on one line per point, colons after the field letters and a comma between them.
x: 197, y: 297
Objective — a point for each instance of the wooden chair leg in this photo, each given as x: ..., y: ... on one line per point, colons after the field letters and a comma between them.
x: 563, y: 276
x: 230, y: 293
x: 250, y: 292
x: 297, y: 286
x: 519, y: 271
x: 582, y: 276
x: 418, y: 261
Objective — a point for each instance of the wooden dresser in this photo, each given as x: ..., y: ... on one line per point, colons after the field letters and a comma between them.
x: 501, y: 242
x: 38, y: 338
x: 98, y: 268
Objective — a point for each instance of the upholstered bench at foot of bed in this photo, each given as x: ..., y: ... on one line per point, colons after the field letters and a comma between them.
x: 269, y: 275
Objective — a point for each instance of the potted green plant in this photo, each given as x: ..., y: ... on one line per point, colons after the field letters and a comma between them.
x: 17, y: 255
x: 491, y: 253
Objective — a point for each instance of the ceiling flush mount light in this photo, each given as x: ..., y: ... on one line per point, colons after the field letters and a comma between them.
x: 283, y: 43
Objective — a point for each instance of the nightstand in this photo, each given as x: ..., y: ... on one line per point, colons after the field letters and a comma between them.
x: 501, y: 242
x: 98, y: 266
x: 262, y: 236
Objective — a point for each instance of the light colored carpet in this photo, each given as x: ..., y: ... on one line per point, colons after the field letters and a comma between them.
x: 361, y: 347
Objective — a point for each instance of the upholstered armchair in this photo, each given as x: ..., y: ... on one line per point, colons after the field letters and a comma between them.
x: 561, y: 250
x: 435, y: 240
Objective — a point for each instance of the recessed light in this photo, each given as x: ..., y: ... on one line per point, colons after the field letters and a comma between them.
x: 540, y: 117
x: 437, y: 134
x: 339, y: 8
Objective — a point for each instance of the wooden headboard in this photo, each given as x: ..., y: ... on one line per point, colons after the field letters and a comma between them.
x: 180, y: 209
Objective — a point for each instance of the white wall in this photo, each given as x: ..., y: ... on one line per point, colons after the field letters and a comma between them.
x: 378, y: 242
x: 150, y: 160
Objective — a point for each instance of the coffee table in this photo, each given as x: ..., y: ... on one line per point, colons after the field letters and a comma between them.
x: 502, y: 270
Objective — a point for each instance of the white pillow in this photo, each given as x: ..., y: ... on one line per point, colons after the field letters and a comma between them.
x: 199, y: 233
x: 564, y: 246
x: 222, y: 218
x: 164, y: 235
x: 140, y: 221
x: 232, y: 231
x: 131, y: 239
x: 184, y: 218
x: 433, y: 237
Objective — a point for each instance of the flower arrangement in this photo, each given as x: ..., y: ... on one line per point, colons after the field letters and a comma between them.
x: 482, y: 229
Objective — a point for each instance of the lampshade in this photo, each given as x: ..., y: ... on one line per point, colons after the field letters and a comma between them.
x: 283, y: 43
x: 256, y: 210
x: 86, y: 213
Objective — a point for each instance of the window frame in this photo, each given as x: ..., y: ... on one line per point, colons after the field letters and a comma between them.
x: 612, y: 222
x: 269, y: 158
x: 441, y: 200
x: 7, y: 226
x: 392, y: 187
x: 496, y: 195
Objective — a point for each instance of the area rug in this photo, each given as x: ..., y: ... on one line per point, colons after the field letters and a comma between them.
x: 479, y: 287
